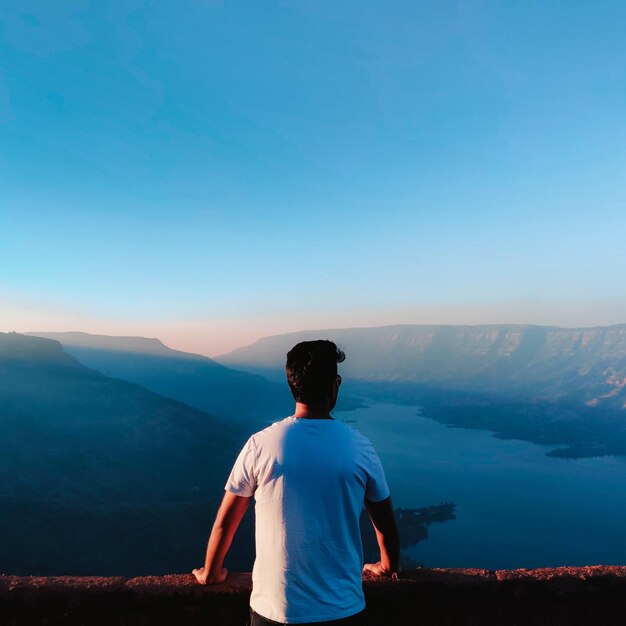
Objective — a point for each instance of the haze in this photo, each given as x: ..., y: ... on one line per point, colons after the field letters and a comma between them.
x: 212, y: 174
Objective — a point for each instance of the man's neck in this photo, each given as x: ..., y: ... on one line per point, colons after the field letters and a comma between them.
x: 306, y: 411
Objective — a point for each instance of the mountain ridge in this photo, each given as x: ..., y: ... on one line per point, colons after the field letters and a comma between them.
x: 187, y: 377
x: 546, y: 384
x: 549, y: 360
x: 115, y: 343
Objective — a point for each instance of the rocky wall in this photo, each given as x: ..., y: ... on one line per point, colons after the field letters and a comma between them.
x: 566, y: 596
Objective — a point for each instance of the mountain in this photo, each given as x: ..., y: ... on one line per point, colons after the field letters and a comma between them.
x: 560, y: 386
x: 585, y: 364
x: 191, y: 378
x: 247, y: 399
x: 99, y: 475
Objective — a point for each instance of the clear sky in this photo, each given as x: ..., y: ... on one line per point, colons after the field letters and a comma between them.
x: 211, y: 172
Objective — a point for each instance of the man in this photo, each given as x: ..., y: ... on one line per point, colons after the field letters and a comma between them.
x: 310, y: 476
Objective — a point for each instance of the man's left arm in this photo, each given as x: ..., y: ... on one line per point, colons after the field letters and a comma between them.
x: 227, y: 521
x: 384, y: 522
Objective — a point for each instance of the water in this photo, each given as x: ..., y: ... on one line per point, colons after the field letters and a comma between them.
x: 516, y: 507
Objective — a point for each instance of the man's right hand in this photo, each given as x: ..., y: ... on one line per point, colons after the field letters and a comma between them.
x: 205, y: 578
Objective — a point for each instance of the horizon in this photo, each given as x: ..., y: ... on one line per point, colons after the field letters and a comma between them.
x: 211, y: 175
x: 165, y: 343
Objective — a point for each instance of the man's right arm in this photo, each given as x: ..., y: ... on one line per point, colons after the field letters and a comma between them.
x: 384, y: 522
x: 227, y: 521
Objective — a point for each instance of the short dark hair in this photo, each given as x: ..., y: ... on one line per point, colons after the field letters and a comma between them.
x: 312, y: 369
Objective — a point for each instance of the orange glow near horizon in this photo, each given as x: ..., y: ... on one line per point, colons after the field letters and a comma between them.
x: 216, y: 336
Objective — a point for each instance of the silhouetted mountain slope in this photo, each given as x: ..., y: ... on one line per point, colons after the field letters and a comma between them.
x: 190, y: 378
x: 76, y: 446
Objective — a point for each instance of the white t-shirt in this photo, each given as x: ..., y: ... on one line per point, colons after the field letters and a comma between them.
x: 309, y: 478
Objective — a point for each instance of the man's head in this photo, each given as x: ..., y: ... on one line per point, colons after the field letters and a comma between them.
x: 312, y: 372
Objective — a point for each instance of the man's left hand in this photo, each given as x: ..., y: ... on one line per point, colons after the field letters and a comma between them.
x: 377, y: 569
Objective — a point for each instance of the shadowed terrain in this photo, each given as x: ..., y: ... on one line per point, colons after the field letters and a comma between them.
x: 190, y: 378
x: 101, y: 475
x: 246, y: 399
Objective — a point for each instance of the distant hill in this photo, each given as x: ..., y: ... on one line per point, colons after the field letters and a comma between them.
x: 191, y: 378
x: 99, y: 475
x: 561, y: 386
x: 587, y: 365
x: 247, y: 399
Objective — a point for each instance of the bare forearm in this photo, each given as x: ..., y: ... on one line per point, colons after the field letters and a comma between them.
x: 389, y: 544
x: 218, y: 545
x: 228, y: 517
x: 384, y: 522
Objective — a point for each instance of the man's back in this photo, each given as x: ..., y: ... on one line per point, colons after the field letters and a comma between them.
x: 309, y: 478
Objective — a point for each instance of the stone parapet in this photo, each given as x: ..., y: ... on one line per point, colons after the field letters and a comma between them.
x: 564, y: 596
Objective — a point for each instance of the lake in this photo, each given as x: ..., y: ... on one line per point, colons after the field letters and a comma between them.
x: 516, y: 507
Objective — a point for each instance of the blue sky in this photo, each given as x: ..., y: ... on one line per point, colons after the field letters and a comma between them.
x: 212, y: 172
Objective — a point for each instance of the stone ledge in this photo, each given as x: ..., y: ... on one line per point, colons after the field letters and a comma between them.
x: 564, y: 596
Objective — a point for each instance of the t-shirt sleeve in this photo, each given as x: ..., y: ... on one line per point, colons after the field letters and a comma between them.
x: 242, y: 479
x: 376, y: 489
